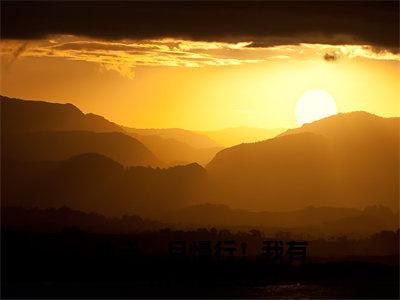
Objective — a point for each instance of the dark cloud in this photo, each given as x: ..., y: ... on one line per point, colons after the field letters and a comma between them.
x: 331, y: 56
x: 18, y: 51
x: 267, y: 23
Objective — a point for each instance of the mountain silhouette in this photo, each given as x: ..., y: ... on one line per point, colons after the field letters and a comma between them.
x: 94, y: 183
x: 357, y: 126
x: 36, y: 130
x: 64, y: 218
x: 31, y: 116
x: 320, y: 220
x: 24, y: 116
x: 348, y: 160
x: 317, y: 221
x: 174, y: 152
x: 60, y: 145
x: 192, y: 138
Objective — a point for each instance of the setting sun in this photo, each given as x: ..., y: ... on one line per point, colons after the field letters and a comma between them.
x: 314, y: 105
x: 200, y: 149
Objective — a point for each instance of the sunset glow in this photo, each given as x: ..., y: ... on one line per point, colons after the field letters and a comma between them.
x: 314, y: 105
x: 200, y: 149
x: 233, y: 84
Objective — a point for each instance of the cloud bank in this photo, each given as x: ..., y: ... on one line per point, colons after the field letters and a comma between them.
x: 270, y: 23
x: 124, y: 56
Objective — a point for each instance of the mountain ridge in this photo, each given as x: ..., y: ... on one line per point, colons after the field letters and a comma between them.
x: 352, y: 157
x: 60, y: 145
x: 19, y: 116
x: 31, y: 115
x: 95, y: 183
x: 192, y: 138
x: 229, y: 137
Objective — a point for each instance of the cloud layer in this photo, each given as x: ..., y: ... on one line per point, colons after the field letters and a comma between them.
x: 123, y: 56
x: 267, y: 23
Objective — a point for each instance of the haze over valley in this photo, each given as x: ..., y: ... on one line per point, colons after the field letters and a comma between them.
x: 53, y: 155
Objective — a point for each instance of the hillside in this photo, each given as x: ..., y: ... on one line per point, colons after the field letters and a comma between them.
x: 170, y: 146
x: 346, y: 160
x: 312, y: 220
x: 94, y: 183
x: 60, y: 145
x: 31, y: 116
x: 354, y: 128
x: 66, y: 220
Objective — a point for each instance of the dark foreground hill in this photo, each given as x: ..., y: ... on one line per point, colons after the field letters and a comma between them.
x: 66, y: 219
x: 94, y: 183
x: 63, y: 253
x: 345, y: 160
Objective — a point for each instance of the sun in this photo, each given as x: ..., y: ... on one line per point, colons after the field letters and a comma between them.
x: 314, y: 105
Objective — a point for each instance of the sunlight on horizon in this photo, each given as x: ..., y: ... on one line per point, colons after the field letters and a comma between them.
x: 314, y: 105
x: 172, y: 83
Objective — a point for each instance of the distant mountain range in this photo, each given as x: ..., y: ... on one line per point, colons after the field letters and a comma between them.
x: 67, y: 220
x: 316, y: 220
x: 233, y: 136
x: 194, y: 139
x: 310, y: 221
x: 344, y: 160
x: 61, y: 145
x: 55, y: 155
x: 216, y: 139
x: 95, y: 183
x: 169, y: 146
x: 175, y: 152
x: 32, y: 116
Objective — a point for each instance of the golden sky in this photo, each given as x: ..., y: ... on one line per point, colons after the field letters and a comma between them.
x: 197, y: 85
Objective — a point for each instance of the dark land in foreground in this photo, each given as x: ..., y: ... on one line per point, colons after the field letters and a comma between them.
x: 51, y: 261
x: 53, y: 266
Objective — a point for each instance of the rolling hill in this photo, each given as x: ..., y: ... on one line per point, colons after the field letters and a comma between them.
x: 348, y: 160
x: 315, y: 220
x: 24, y: 116
x: 60, y: 145
x: 94, y: 183
x: 31, y: 116
x: 41, y: 131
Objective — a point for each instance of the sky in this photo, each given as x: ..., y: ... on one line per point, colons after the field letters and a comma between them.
x: 199, y: 65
